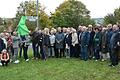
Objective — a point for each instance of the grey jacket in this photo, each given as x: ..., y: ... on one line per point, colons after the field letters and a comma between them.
x: 59, y: 40
x: 16, y: 41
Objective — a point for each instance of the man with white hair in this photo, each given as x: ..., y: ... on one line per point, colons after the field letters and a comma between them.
x: 108, y: 36
x: 114, y: 46
x: 84, y: 43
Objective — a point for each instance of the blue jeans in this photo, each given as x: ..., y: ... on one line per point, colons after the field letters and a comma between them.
x: 52, y: 52
x: 84, y: 53
x: 96, y: 53
x: 43, y: 54
x: 35, y: 50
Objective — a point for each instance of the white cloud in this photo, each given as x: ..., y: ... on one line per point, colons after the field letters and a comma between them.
x: 98, y: 8
x: 50, y: 4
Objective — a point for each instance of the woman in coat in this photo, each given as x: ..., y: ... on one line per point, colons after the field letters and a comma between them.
x: 74, y: 45
x: 46, y: 43
x: 59, y: 43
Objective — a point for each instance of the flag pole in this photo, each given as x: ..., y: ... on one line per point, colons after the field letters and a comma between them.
x: 37, y: 14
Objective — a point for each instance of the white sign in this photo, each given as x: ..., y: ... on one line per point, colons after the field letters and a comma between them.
x: 32, y: 18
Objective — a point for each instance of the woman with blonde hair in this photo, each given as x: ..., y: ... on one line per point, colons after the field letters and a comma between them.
x: 52, y: 43
x: 59, y: 45
x: 74, y: 44
x: 46, y: 43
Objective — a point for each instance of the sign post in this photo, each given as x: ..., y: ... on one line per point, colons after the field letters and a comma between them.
x: 37, y: 14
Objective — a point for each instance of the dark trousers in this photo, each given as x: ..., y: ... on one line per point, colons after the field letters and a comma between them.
x: 64, y: 50
x: 25, y: 49
x: 84, y: 53
x: 40, y: 51
x: 74, y: 51
x: 52, y: 51
x: 110, y: 53
x: 59, y: 53
x: 20, y: 52
x: 114, y: 57
x: 91, y: 52
x: 43, y: 53
x: 10, y: 50
x: 77, y: 50
x: 96, y: 53
x: 55, y: 50
x: 35, y: 50
x: 5, y: 63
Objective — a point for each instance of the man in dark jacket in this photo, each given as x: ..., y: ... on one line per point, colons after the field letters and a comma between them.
x: 108, y: 36
x: 84, y: 44
x: 115, y: 43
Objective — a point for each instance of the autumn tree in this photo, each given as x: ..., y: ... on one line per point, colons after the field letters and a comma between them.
x: 113, y: 18
x: 110, y: 19
x: 117, y: 14
x: 71, y: 13
x: 29, y: 9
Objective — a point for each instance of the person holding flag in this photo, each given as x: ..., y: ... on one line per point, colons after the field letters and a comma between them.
x: 23, y: 32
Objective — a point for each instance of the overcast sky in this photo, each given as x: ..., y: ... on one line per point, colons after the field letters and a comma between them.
x: 98, y: 8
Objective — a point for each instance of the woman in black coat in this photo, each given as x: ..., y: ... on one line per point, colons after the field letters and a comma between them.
x: 46, y: 43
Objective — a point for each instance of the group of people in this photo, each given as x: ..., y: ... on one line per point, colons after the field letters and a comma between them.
x: 10, y: 45
x: 86, y: 42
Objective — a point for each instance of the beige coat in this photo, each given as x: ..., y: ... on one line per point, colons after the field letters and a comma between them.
x: 74, y: 39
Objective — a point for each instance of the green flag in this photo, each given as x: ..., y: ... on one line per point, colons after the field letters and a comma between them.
x: 22, y: 28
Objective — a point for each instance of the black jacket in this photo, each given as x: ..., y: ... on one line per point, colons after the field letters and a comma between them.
x: 114, y: 40
x: 46, y: 40
x: 2, y: 45
x: 34, y: 37
x: 68, y: 39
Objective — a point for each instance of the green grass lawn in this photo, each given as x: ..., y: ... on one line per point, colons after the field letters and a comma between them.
x: 60, y: 69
